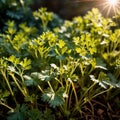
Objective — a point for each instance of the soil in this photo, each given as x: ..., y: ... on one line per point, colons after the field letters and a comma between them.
x: 96, y: 109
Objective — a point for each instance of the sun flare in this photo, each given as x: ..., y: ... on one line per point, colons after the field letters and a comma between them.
x: 113, y: 2
x: 111, y: 6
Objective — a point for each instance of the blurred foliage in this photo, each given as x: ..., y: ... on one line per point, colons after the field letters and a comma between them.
x: 18, y: 10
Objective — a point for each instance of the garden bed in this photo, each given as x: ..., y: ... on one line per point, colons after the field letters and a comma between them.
x: 52, y: 68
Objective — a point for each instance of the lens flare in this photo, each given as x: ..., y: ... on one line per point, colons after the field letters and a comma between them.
x: 111, y: 6
x: 113, y: 2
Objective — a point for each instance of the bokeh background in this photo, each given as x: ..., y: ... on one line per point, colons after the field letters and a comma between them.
x: 67, y: 9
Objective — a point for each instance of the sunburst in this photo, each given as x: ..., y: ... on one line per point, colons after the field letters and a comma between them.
x: 111, y: 6
x: 113, y: 2
x: 108, y: 7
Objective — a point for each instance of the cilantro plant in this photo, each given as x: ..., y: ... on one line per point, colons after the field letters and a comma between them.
x: 59, y: 69
x: 44, y: 16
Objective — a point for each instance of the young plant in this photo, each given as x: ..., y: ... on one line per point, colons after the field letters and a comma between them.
x: 44, y: 16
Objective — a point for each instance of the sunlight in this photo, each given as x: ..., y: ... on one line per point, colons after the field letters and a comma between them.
x: 113, y: 2
x: 111, y: 6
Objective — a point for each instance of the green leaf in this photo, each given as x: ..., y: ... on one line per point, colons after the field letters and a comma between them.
x: 118, y: 85
x: 92, y: 77
x: 101, y: 83
x: 100, y: 64
x: 12, y: 69
x: 76, y: 40
x: 43, y: 76
x: 14, y: 15
x: 60, y: 57
x: 61, y: 43
x: 54, y: 66
x: 16, y: 116
x: 34, y: 78
x: 13, y: 60
x: 54, y: 98
x: 3, y: 1
x: 4, y: 94
x: 31, y: 98
x: 52, y: 53
x: 3, y: 63
x: 112, y: 81
x: 112, y: 77
x: 19, y: 113
x: 26, y: 64
x: 29, y: 81
x: 48, y: 115
x: 35, y: 114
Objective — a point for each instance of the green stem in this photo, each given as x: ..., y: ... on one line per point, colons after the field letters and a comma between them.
x: 40, y: 89
x: 61, y: 71
x: 73, y: 69
x: 88, y: 89
x: 24, y: 87
x: 81, y: 101
x: 101, y: 93
x: 44, y: 25
x: 22, y: 91
x: 7, y: 81
x: 81, y: 68
x: 76, y: 98
x: 117, y: 73
x: 22, y: 3
x: 59, y: 82
x: 50, y: 86
x: 6, y: 106
x: 68, y: 100
x: 115, y: 44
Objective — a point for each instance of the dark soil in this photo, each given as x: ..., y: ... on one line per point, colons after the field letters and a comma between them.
x: 96, y: 109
